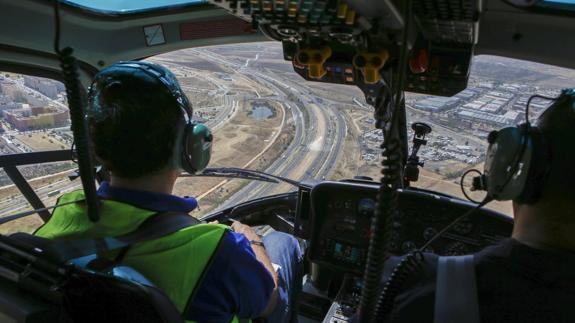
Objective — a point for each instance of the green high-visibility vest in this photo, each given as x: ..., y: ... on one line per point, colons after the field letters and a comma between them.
x: 174, y: 263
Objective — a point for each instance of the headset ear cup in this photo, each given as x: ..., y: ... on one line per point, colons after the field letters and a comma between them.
x: 539, y: 170
x: 505, y: 155
x: 185, y: 157
x: 198, y: 147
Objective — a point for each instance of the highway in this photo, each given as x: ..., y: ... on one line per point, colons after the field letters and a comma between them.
x: 47, y: 193
x: 316, y: 143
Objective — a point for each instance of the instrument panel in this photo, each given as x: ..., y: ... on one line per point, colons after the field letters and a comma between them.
x: 338, y: 218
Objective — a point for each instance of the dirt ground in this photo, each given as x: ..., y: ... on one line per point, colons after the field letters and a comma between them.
x: 243, y: 142
x: 229, y: 187
x: 243, y: 83
x: 347, y: 165
x: 40, y: 141
x: 203, y: 76
x: 28, y: 224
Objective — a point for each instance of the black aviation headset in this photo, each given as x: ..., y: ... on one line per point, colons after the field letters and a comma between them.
x: 194, y: 140
x: 518, y: 159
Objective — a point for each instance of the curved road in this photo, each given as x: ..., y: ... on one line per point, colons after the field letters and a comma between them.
x: 315, y: 147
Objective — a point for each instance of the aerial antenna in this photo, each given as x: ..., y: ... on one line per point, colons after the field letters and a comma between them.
x: 76, y: 102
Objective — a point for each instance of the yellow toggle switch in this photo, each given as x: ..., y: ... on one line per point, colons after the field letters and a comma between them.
x: 292, y: 9
x: 342, y: 10
x: 314, y: 58
x: 370, y: 64
x: 350, y: 17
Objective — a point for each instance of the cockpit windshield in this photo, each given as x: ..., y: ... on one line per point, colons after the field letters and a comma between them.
x: 265, y: 117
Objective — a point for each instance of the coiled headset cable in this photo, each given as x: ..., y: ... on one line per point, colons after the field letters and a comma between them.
x: 76, y: 102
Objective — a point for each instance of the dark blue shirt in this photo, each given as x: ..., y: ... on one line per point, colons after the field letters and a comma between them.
x: 236, y: 282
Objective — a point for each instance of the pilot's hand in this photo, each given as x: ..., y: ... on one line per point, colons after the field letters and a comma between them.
x: 246, y: 230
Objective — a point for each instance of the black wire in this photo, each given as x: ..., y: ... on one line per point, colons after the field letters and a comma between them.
x: 529, y: 103
x: 463, y: 187
x: 454, y: 222
x: 407, y: 267
x: 57, y: 26
x: 525, y: 137
x: 387, y: 197
x: 398, y: 86
x: 75, y: 94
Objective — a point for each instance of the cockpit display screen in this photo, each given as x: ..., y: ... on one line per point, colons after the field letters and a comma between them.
x: 341, y: 225
x: 346, y: 253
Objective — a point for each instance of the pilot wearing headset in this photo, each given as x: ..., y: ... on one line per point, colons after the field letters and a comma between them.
x: 142, y: 130
x: 529, y: 277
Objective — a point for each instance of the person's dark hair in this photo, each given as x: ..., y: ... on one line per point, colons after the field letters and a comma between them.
x: 133, y: 122
x: 558, y: 126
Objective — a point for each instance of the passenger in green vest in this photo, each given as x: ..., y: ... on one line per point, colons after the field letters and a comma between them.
x: 142, y: 131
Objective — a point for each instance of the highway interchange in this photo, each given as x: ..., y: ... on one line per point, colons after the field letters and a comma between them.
x: 317, y: 141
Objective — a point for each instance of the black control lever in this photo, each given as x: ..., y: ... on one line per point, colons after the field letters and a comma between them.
x: 420, y: 130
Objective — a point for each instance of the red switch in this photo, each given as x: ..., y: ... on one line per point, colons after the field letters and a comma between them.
x: 419, y: 63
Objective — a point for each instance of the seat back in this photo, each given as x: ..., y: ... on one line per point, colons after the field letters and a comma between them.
x: 34, y: 289
x: 95, y: 297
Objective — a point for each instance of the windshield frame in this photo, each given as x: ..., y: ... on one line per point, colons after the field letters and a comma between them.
x: 151, y: 11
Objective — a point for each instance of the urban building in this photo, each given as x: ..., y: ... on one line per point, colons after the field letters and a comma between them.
x: 437, y: 104
x: 514, y: 117
x: 482, y: 117
x: 467, y: 94
x: 6, y: 103
x: 47, y: 87
x: 31, y: 118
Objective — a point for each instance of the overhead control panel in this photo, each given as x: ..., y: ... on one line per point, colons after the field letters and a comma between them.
x: 355, y: 41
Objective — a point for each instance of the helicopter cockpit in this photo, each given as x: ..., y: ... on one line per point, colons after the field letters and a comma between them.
x: 349, y: 225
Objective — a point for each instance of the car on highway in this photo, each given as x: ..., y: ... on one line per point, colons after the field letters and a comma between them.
x: 353, y: 128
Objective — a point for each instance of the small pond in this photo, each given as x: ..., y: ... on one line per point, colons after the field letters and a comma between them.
x: 261, y: 112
